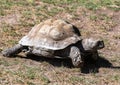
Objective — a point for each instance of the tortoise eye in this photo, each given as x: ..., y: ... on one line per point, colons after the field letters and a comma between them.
x: 100, y: 44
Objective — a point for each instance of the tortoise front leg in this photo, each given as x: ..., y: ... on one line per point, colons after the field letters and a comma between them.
x: 12, y: 51
x: 75, y: 56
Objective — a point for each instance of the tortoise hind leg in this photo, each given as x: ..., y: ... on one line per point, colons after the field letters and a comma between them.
x: 12, y: 51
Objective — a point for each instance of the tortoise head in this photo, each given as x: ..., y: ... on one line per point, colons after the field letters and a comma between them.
x: 91, y: 44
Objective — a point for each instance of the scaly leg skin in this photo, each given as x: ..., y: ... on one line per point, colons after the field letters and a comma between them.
x: 12, y: 51
x: 76, y: 56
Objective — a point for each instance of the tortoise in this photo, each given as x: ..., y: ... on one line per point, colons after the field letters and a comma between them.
x: 57, y: 38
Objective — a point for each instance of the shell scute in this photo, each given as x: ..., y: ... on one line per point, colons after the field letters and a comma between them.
x: 51, y: 34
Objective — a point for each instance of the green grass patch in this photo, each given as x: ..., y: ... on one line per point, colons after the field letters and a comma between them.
x: 44, y: 79
x: 89, y: 4
x: 76, y: 79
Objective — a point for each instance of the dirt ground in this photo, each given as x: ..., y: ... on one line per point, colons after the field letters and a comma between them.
x: 16, y: 20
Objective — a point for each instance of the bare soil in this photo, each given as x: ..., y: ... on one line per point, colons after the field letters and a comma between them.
x: 103, y: 23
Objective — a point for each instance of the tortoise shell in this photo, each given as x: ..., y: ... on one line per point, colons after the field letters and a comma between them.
x: 52, y: 34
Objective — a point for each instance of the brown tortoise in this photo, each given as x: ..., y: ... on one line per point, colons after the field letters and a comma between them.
x: 56, y: 38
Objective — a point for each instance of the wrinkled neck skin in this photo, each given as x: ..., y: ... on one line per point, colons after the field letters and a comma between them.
x: 84, y: 53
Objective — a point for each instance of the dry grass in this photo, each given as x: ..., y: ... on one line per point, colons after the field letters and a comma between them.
x: 95, y: 18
